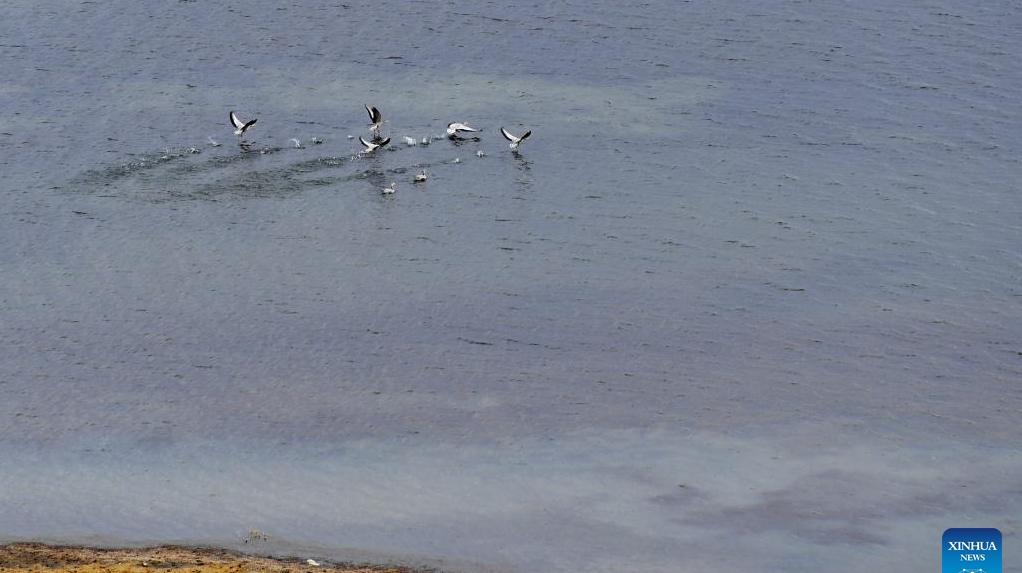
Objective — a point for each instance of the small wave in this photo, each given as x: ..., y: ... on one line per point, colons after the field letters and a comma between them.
x: 183, y: 175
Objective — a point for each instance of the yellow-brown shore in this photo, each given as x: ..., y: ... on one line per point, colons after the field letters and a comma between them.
x: 40, y: 558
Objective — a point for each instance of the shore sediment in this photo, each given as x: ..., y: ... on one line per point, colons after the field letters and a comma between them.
x: 41, y: 558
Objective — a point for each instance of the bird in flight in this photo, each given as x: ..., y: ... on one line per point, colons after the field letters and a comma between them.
x: 372, y: 146
x: 240, y: 127
x: 515, y: 141
x: 454, y: 129
x: 375, y: 121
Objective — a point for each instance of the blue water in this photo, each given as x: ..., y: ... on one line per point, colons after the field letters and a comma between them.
x: 750, y: 298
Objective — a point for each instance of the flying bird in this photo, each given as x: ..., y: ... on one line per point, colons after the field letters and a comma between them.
x: 371, y: 147
x: 515, y: 141
x: 240, y: 127
x: 453, y: 129
x: 375, y: 121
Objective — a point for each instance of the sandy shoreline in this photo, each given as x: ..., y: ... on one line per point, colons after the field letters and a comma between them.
x: 38, y: 558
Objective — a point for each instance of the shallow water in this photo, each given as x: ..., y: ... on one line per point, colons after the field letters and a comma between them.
x: 748, y: 299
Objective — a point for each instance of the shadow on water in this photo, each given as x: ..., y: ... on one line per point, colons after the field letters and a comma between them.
x: 521, y: 162
x: 459, y: 140
x: 524, y: 179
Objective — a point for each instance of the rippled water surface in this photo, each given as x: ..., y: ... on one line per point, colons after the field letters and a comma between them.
x: 750, y: 298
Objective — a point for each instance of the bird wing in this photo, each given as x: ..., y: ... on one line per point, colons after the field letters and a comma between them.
x: 384, y: 142
x: 524, y: 136
x: 363, y: 142
x: 507, y: 135
x: 249, y: 124
x: 237, y: 123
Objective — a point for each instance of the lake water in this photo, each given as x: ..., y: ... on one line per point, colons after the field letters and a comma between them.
x: 749, y: 299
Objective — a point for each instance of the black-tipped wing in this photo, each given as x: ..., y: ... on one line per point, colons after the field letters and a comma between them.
x: 363, y: 142
x: 507, y: 135
x: 237, y: 123
x: 384, y: 142
x: 374, y: 114
x: 525, y: 136
x: 248, y: 125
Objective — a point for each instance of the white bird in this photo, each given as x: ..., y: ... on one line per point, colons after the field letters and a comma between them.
x: 375, y: 121
x: 480, y: 153
x: 390, y: 190
x: 312, y: 562
x: 317, y: 140
x: 212, y: 141
x: 453, y: 129
x: 425, y: 141
x: 421, y: 176
x: 515, y: 141
x: 410, y: 141
x: 297, y: 142
x: 456, y: 160
x: 371, y: 147
x: 240, y: 127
